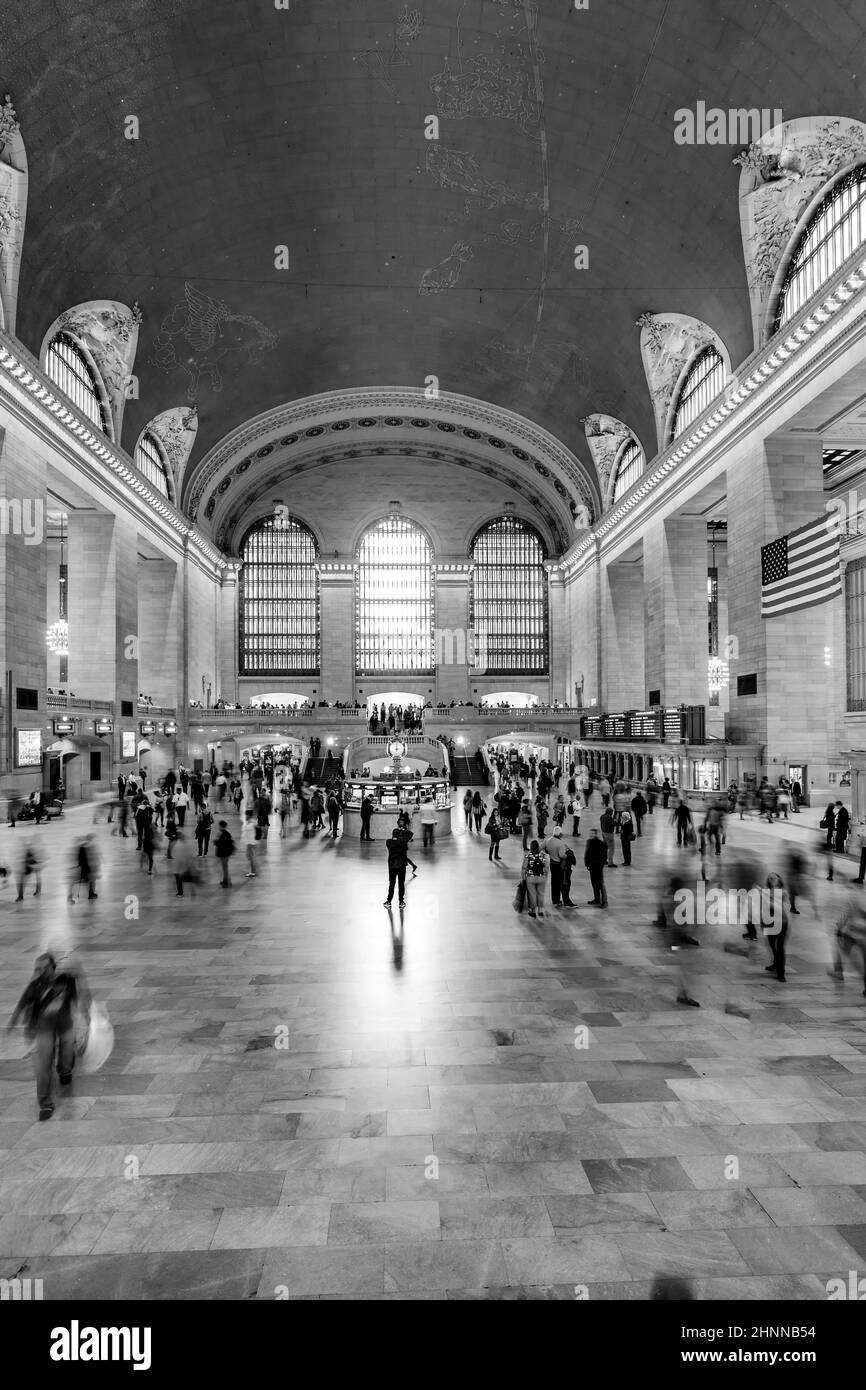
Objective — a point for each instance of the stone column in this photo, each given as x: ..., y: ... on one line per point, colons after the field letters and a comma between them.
x: 558, y: 661
x: 455, y: 655
x: 797, y: 659
x: 675, y: 610
x: 337, y: 606
x: 23, y: 590
x: 623, y: 638
x: 227, y: 675
x: 159, y: 655
x: 103, y: 607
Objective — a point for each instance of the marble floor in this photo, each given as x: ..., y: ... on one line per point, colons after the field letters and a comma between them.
x: 308, y: 1098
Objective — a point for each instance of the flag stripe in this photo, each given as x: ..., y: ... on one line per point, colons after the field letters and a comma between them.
x: 800, y: 569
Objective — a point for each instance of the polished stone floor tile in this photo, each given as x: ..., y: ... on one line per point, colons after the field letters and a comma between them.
x: 795, y: 1250
x: 812, y: 1206
x: 375, y: 1223
x: 240, y: 1228
x: 636, y: 1174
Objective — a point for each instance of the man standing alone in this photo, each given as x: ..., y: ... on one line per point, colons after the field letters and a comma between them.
x: 397, y: 860
x: 595, y: 858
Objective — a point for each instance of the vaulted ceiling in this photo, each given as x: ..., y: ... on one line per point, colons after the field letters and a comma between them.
x: 304, y: 127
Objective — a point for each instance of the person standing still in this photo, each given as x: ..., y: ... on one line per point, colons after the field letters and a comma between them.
x: 607, y: 823
x: 534, y: 872
x: 224, y: 848
x: 428, y: 822
x: 397, y: 862
x: 595, y: 858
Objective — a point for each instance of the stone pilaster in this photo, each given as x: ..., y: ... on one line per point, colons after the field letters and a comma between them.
x: 675, y: 610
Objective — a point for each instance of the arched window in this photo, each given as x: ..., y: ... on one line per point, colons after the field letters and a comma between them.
x: 149, y: 460
x: 509, y: 598
x: 704, y: 380
x: 631, y: 465
x: 67, y: 366
x: 279, y: 600
x: 834, y: 233
x: 394, y: 599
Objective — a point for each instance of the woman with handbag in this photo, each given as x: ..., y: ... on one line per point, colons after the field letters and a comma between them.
x: 534, y: 872
x: 493, y: 828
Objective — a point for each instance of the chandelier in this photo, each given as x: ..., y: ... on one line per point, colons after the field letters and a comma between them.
x: 57, y: 638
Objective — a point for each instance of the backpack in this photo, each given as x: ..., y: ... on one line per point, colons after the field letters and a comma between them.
x: 535, y: 866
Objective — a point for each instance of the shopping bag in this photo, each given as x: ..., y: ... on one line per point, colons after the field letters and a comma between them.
x: 520, y: 897
x: 95, y: 1043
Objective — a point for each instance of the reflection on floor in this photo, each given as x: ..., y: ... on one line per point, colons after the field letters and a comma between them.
x: 309, y: 1100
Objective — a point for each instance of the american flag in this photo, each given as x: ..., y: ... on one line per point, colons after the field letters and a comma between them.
x: 801, y: 569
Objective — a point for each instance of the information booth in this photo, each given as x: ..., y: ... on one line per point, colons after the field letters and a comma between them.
x: 392, y: 793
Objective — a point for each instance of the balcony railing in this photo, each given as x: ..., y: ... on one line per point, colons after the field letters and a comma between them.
x: 73, y: 702
x: 163, y: 711
x: 324, y: 715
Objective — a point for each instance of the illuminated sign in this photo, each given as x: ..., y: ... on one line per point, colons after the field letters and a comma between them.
x: 64, y: 726
x: 128, y: 743
x: 104, y: 726
x: 28, y: 747
x: 169, y: 728
x: 147, y: 727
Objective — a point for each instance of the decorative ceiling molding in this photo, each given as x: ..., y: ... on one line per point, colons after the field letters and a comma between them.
x: 13, y: 212
x: 372, y: 414
x: 176, y: 430
x: 559, y: 526
x: 782, y: 177
x: 108, y: 331
x: 606, y: 437
x: 668, y: 345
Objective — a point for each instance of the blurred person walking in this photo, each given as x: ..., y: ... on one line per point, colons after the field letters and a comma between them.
x: 49, y: 1005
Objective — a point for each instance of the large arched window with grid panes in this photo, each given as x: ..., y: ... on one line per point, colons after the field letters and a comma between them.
x: 629, y: 466
x: 835, y: 231
x: 704, y: 381
x: 69, y: 369
x: 150, y: 461
x: 509, y: 599
x: 279, y: 600
x: 394, y: 598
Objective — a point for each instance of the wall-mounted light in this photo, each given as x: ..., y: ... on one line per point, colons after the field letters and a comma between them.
x: 57, y: 638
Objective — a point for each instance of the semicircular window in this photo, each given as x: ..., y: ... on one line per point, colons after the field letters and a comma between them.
x: 150, y: 461
x: 631, y: 465
x: 836, y: 230
x: 69, y: 369
x: 704, y: 380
